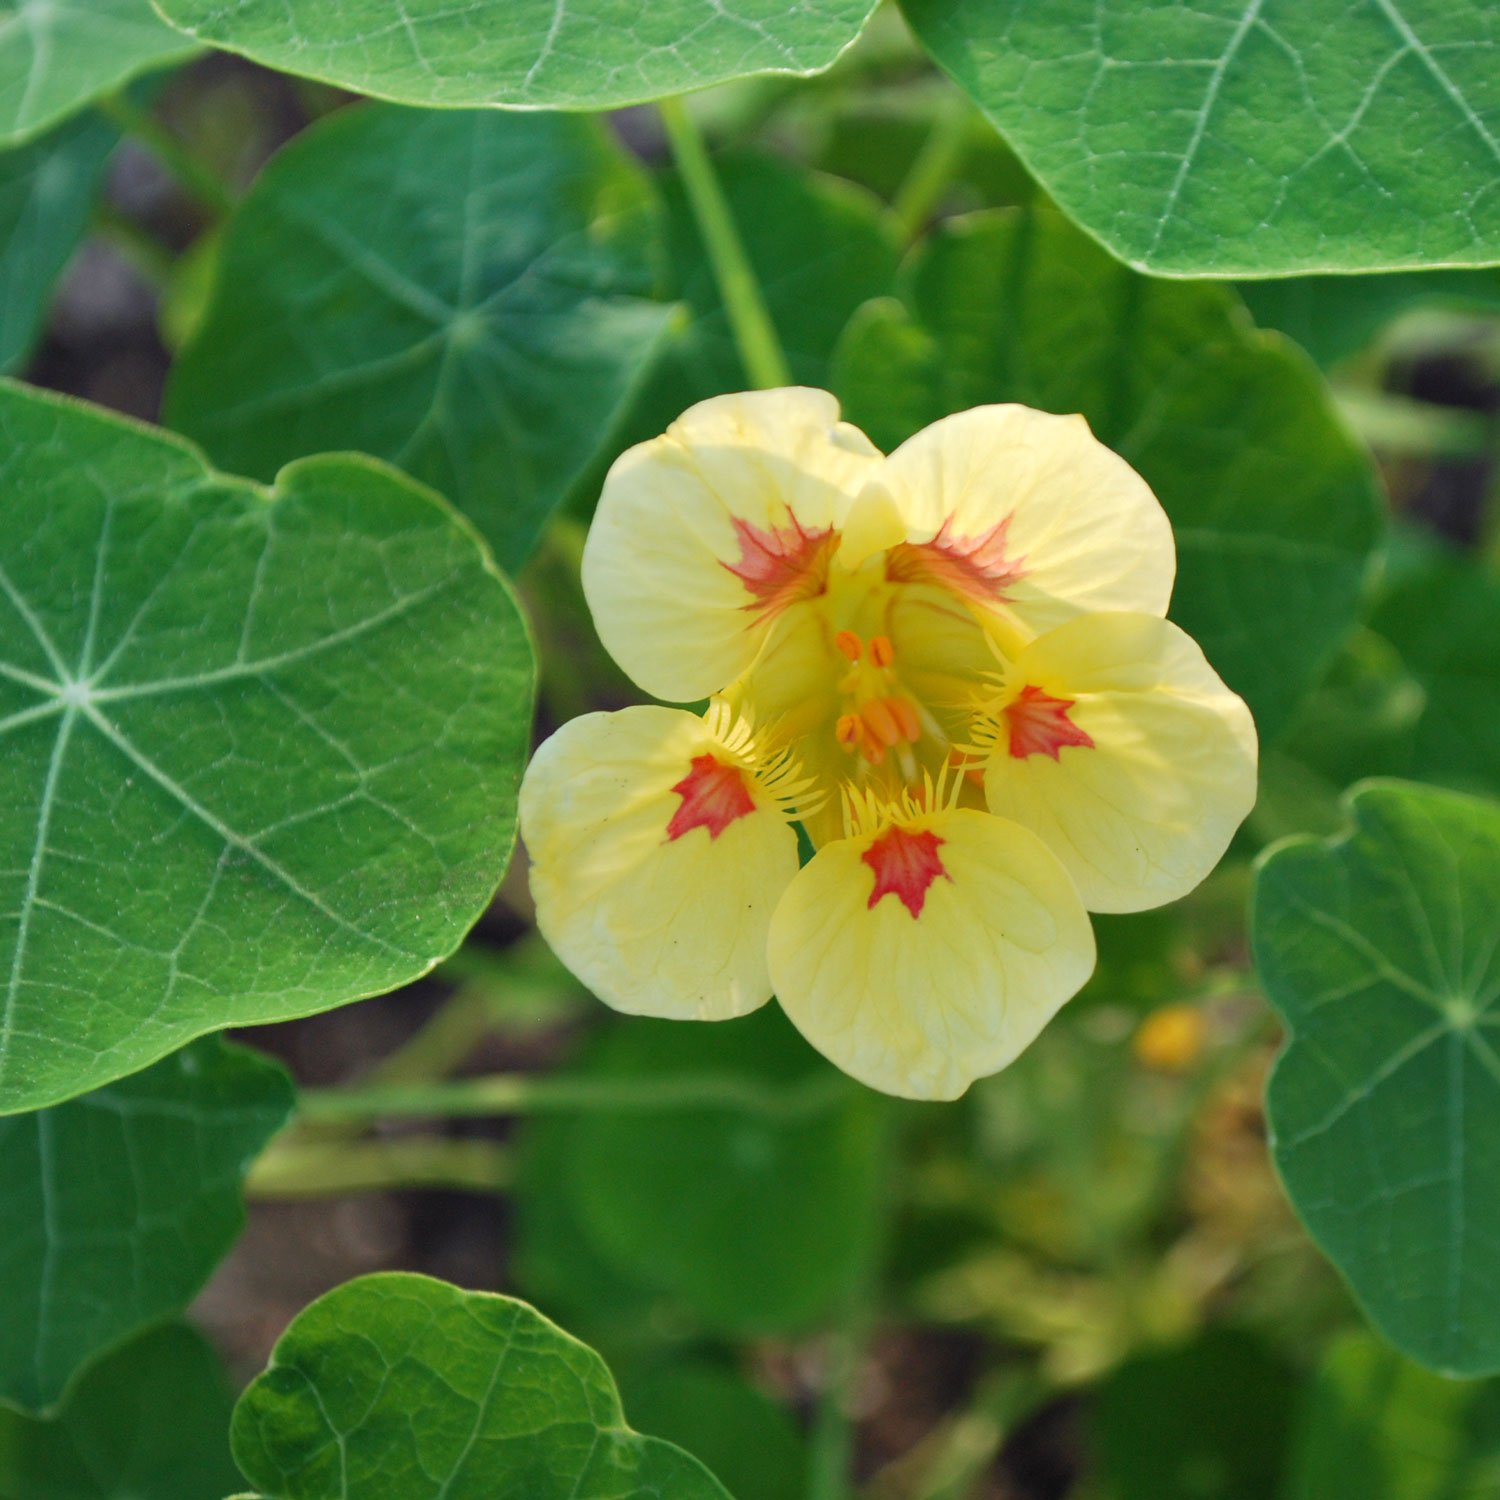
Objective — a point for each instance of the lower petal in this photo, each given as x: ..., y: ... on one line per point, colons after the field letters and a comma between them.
x: 1145, y: 769
x: 923, y: 962
x: 656, y: 863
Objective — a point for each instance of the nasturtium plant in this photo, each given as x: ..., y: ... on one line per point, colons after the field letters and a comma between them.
x: 47, y: 194
x: 1273, y: 553
x: 481, y: 325
x: 261, y: 746
x: 121, y: 1202
x: 1379, y: 949
x: 57, y: 56
x: 1251, y: 139
x: 539, y: 54
x: 972, y: 1011
x: 510, y: 1406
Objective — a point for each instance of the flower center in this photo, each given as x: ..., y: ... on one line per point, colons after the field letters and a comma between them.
x: 879, y: 716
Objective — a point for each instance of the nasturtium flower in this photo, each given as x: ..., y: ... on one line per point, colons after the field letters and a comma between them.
x: 949, y: 667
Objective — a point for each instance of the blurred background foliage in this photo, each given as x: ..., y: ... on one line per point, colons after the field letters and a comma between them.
x: 1081, y: 1281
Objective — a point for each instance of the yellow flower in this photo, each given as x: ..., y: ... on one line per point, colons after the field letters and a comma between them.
x: 949, y: 666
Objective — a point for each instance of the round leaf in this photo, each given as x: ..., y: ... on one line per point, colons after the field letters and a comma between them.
x: 1247, y: 139
x: 121, y: 1203
x: 546, y: 54
x: 46, y: 194
x: 150, y: 1422
x: 57, y: 55
x: 1273, y: 505
x: 479, y: 324
x: 261, y: 749
x: 511, y: 1407
x: 1381, y: 950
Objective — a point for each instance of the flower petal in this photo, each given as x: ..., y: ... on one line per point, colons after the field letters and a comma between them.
x: 656, y: 863
x: 705, y: 534
x: 1141, y: 813
x: 1029, y: 517
x: 934, y: 959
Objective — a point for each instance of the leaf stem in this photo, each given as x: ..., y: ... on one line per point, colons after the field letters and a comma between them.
x: 932, y: 169
x: 305, y: 1169
x: 531, y: 1093
x: 754, y: 334
x: 831, y: 1442
x: 190, y: 173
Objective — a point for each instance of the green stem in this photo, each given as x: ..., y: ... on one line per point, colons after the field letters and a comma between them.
x: 303, y: 1169
x: 831, y: 1442
x: 933, y: 168
x: 750, y: 321
x: 191, y: 174
x: 146, y: 253
x: 527, y: 1093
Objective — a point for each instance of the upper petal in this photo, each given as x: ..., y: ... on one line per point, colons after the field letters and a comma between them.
x: 657, y: 860
x: 1126, y: 754
x: 1029, y: 517
x: 933, y: 959
x: 703, y: 534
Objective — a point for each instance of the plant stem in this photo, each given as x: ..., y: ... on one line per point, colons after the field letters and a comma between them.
x: 302, y: 1169
x: 528, y: 1093
x: 144, y: 252
x: 933, y: 168
x: 191, y: 174
x: 831, y: 1443
x: 754, y: 333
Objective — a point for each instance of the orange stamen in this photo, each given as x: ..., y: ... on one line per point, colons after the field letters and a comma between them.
x: 882, y: 653
x: 849, y: 730
x: 850, y: 644
x: 881, y: 721
x: 906, y: 717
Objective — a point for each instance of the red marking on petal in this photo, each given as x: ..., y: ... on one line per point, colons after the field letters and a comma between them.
x: 979, y: 567
x: 781, y: 564
x: 1039, y: 725
x: 905, y: 864
x: 713, y: 796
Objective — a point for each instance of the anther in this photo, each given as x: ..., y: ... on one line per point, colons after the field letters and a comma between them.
x: 881, y: 721
x: 882, y: 653
x: 850, y: 644
x: 848, y: 731
x: 906, y: 718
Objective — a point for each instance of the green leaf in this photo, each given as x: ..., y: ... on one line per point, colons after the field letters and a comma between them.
x: 150, y: 1422
x: 478, y: 322
x: 739, y: 1432
x: 1379, y: 949
x: 1333, y: 317
x: 544, y: 54
x: 759, y: 1212
x: 511, y: 1407
x: 123, y: 1201
x: 1443, y: 618
x: 1376, y: 1426
x: 1246, y: 139
x: 1205, y: 1421
x: 261, y: 748
x: 46, y: 194
x: 1273, y: 504
x: 57, y: 55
